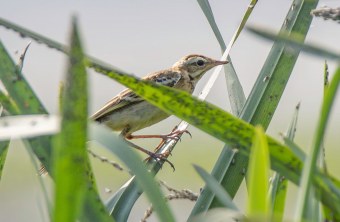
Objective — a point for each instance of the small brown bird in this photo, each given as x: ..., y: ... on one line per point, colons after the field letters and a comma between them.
x: 127, y: 112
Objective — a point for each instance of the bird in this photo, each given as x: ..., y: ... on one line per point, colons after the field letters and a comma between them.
x: 127, y: 112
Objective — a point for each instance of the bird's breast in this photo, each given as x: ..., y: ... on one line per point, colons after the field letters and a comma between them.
x: 135, y: 117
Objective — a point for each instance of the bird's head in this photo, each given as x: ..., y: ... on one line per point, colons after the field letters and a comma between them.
x: 197, y: 65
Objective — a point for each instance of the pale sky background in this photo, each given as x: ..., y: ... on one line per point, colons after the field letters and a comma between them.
x: 146, y: 36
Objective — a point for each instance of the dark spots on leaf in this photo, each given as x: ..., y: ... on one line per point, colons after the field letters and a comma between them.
x: 78, y: 159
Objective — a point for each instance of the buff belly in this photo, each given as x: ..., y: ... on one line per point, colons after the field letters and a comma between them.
x: 135, y: 117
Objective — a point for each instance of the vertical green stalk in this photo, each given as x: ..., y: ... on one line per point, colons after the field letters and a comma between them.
x: 258, y: 176
x: 70, y: 155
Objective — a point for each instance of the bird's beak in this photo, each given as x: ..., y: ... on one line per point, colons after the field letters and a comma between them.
x: 217, y: 63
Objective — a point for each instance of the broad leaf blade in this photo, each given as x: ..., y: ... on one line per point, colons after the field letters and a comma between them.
x: 296, y: 41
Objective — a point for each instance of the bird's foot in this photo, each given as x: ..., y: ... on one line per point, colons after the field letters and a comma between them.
x: 156, y: 156
x: 175, y: 134
x: 160, y: 157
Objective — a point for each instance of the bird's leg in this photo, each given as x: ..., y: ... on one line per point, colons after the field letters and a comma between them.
x: 153, y: 155
x: 173, y: 135
x: 175, y: 132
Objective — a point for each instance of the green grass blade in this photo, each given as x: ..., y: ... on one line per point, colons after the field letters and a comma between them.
x: 296, y: 41
x: 16, y: 86
x: 25, y: 100
x: 219, y: 124
x: 325, y: 212
x: 70, y: 155
x: 258, y: 176
x: 144, y: 178
x: 311, y: 162
x: 279, y: 185
x: 8, y: 104
x: 216, y: 188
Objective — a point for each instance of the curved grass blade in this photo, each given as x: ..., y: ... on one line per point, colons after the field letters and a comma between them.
x: 296, y: 41
x: 144, y: 178
x: 258, y: 176
x: 311, y: 162
x: 70, y: 156
x: 216, y: 188
x: 26, y: 102
x: 221, y: 125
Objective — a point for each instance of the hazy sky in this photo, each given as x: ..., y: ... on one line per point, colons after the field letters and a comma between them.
x: 140, y: 37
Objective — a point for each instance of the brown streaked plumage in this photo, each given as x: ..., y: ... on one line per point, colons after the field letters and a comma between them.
x: 128, y: 112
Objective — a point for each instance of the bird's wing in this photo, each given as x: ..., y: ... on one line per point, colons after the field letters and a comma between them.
x: 166, y: 77
x: 128, y: 97
x: 124, y: 98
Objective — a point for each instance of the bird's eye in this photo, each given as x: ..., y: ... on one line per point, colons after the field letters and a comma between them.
x: 200, y: 63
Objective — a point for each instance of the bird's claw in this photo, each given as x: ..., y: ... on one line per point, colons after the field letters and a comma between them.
x: 161, y: 157
x: 175, y: 134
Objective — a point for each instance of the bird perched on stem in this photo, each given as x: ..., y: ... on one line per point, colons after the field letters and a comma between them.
x: 127, y: 112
